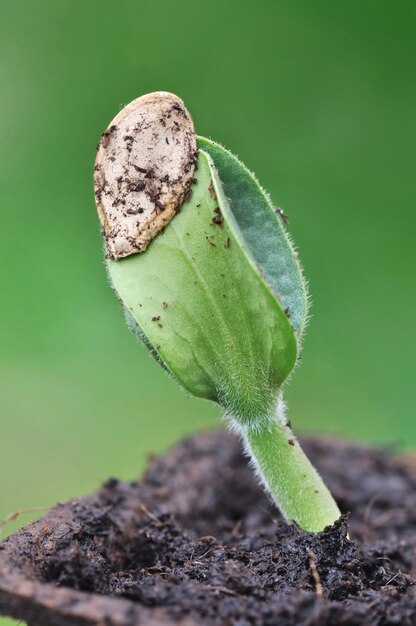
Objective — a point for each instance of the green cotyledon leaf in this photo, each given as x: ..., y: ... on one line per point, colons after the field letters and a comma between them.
x: 263, y: 233
x: 205, y: 303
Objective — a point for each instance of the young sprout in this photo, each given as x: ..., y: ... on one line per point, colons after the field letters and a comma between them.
x: 211, y: 283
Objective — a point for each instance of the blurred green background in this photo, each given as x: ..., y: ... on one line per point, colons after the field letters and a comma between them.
x: 318, y: 98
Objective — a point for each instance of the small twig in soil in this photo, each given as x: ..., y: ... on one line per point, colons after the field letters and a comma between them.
x: 13, y: 516
x: 236, y: 528
x: 205, y: 554
x: 384, y: 558
x: 392, y: 578
x: 385, y: 518
x: 230, y: 592
x: 149, y: 514
x: 370, y: 505
x: 206, y: 538
x: 315, y: 574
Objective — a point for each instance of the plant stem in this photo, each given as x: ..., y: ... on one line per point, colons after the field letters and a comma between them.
x: 289, y: 477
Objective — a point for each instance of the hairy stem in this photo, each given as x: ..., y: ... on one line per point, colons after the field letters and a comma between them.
x: 289, y: 477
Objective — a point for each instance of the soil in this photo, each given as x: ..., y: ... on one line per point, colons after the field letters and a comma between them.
x: 196, y: 542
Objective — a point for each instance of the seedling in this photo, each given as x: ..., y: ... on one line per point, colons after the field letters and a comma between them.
x: 210, y: 281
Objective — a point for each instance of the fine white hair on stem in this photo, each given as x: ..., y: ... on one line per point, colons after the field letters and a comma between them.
x: 238, y: 429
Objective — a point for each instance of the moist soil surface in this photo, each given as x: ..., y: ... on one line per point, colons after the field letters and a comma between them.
x: 197, y: 542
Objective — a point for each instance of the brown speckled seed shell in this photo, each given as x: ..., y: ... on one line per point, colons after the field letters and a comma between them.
x: 143, y: 171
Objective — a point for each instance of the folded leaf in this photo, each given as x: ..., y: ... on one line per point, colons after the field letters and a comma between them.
x: 263, y: 232
x: 199, y: 296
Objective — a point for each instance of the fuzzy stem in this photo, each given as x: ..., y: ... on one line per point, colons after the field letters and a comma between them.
x: 289, y: 477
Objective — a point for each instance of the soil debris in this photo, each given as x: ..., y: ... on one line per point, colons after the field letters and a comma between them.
x: 196, y: 542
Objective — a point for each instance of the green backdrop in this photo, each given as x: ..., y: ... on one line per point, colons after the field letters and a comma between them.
x: 318, y: 98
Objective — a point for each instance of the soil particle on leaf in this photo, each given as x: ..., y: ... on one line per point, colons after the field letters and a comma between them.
x: 218, y: 219
x: 282, y: 214
x: 196, y: 542
x: 212, y: 191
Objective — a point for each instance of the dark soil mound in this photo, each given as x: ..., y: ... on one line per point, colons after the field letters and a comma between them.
x: 196, y: 542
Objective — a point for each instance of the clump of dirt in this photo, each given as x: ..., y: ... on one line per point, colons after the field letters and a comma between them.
x: 197, y: 542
